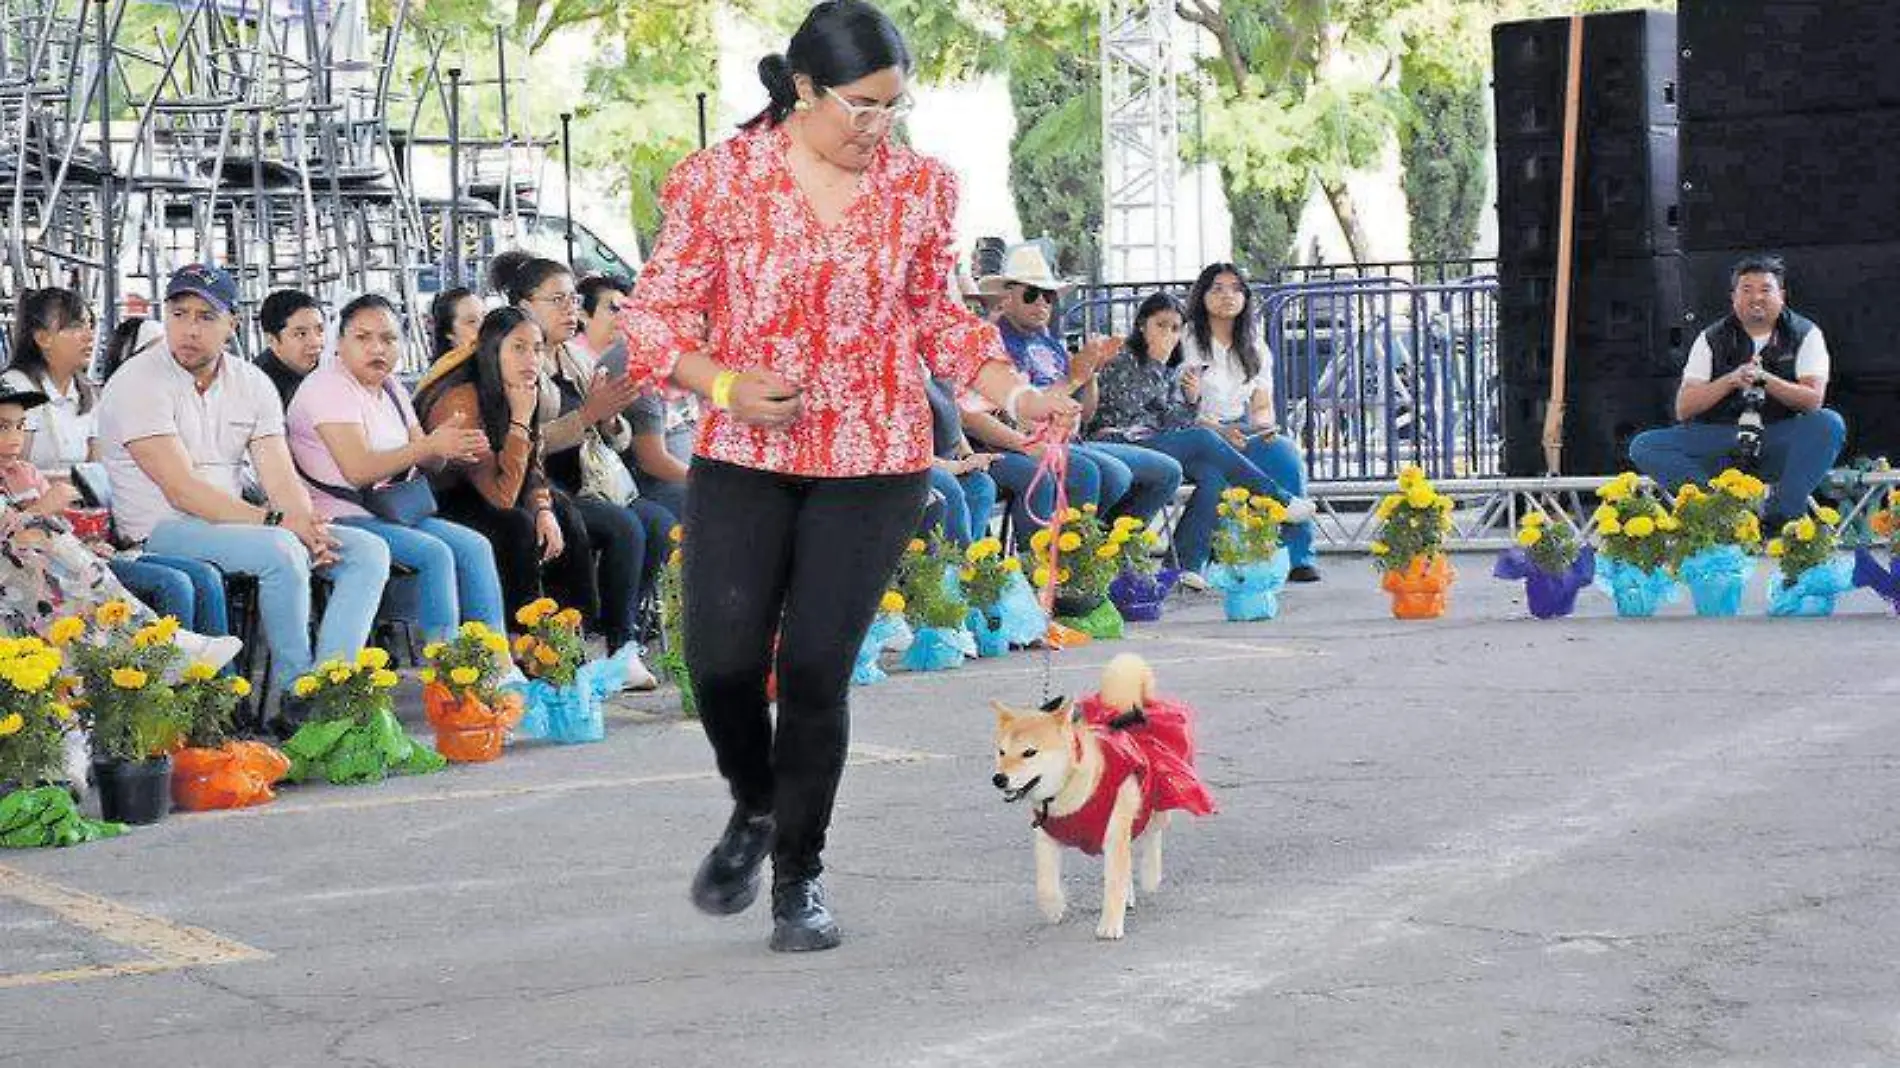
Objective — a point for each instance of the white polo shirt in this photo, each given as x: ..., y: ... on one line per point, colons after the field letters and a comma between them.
x: 151, y: 396
x: 60, y: 434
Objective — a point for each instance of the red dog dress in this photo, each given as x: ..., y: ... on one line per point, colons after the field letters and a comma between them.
x: 1158, y: 750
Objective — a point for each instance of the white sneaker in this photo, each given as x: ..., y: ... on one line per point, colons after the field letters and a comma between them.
x: 76, y: 759
x: 214, y: 651
x: 1192, y: 580
x: 1300, y: 510
x: 638, y: 677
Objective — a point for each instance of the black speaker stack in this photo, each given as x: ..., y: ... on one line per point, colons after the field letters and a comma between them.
x: 1630, y: 317
x: 1791, y: 145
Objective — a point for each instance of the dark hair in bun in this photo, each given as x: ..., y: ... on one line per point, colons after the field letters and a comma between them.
x: 839, y: 42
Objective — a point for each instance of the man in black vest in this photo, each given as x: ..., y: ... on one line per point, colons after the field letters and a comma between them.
x: 1761, y: 360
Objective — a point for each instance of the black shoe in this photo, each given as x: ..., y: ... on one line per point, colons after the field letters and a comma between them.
x: 1303, y: 573
x: 800, y: 921
x: 728, y: 879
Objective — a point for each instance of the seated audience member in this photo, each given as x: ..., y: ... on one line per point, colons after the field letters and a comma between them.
x: 1027, y: 292
x: 539, y: 539
x: 663, y: 426
x: 52, y: 345
x: 352, y: 429
x: 1144, y: 403
x: 1229, y: 374
x: 47, y: 573
x: 959, y: 475
x: 1751, y: 396
x: 176, y: 426
x: 455, y: 317
x: 293, y: 337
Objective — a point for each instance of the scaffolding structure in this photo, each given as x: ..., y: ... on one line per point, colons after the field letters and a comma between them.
x: 1141, y: 140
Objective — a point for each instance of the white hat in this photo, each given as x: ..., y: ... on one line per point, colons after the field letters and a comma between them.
x: 1026, y: 265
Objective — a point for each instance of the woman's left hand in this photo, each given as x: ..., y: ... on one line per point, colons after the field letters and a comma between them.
x: 547, y: 531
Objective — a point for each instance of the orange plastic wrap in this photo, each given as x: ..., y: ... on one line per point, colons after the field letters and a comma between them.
x: 235, y: 775
x: 1421, y: 589
x: 469, y: 730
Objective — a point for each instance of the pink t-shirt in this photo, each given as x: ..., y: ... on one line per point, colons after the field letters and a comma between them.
x: 332, y: 395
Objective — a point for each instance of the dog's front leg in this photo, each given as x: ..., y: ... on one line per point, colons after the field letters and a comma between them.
x: 1049, y: 897
x: 1118, y: 859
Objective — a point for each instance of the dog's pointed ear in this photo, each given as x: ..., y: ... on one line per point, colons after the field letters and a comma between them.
x: 1004, y: 716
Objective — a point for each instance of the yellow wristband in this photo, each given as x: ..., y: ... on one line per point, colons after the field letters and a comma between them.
x: 721, y: 394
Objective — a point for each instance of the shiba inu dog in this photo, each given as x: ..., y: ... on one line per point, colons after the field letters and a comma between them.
x: 1101, y: 774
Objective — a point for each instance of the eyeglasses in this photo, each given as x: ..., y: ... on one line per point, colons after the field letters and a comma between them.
x: 1227, y: 289
x: 1034, y: 295
x: 866, y: 116
x: 557, y: 299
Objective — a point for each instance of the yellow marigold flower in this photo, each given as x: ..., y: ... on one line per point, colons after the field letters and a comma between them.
x: 1119, y: 537
x: 1610, y: 526
x: 1012, y: 565
x: 916, y: 545
x: 1070, y: 542
x: 546, y: 654
x: 1380, y: 548
x: 1530, y: 536
x: 147, y: 637
x: 1223, y: 510
x: 891, y: 603
x: 1535, y: 519
x: 241, y: 687
x: 67, y: 630
x: 496, y: 644
x: 1667, y: 523
x: 1088, y: 509
x: 1806, y: 529
x: 1777, y: 547
x: 199, y: 671
x: 13, y: 724
x: 529, y: 615
x: 1260, y: 501
x: 1040, y: 576
x: 375, y: 659
x: 1640, y: 527
x: 1444, y: 503
x: 1107, y: 551
x: 340, y: 676
x: 1039, y: 541
x: 1129, y: 522
x: 1389, y: 504
x: 1063, y: 575
x: 1421, y: 496
x: 305, y: 686
x: 128, y: 678
x: 1150, y: 538
x: 673, y: 558
x: 1613, y: 492
x: 1276, y: 512
x: 1749, y: 528
x: 1411, y: 475
x: 1828, y: 515
x: 1235, y: 495
x: 524, y: 645
x: 1893, y: 498
x: 113, y: 613
x: 427, y: 675
x: 967, y: 574
x: 32, y: 679
x: 432, y: 650
x: 675, y: 533
x: 464, y: 676
x: 569, y: 618
x: 384, y: 679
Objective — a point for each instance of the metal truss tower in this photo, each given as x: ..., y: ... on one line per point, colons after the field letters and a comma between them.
x: 1141, y: 144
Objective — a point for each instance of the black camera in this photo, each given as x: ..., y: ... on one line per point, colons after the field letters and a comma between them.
x: 1748, y: 427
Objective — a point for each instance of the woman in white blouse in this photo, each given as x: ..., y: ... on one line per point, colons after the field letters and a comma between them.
x: 1228, y: 372
x: 52, y: 344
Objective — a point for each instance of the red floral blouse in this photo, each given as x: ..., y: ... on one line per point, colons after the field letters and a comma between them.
x: 744, y: 269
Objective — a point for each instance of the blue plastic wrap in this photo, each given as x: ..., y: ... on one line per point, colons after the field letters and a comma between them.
x: 987, y: 628
x: 939, y: 649
x: 1882, y: 579
x: 1251, y: 591
x: 1024, y: 622
x: 1813, y: 591
x: 888, y: 631
x: 1637, y: 593
x: 1139, y: 597
x: 1717, y: 577
x: 1548, y: 596
x: 572, y: 714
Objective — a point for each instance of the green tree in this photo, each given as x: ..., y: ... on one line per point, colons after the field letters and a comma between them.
x: 1443, y: 145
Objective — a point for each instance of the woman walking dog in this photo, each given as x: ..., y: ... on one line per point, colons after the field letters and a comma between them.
x: 801, y: 273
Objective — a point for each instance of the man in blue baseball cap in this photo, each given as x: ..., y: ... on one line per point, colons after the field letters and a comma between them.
x: 176, y: 427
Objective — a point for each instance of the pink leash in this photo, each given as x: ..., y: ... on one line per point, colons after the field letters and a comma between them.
x: 1053, y: 464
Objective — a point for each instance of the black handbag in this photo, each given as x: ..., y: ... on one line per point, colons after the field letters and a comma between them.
x: 404, y: 502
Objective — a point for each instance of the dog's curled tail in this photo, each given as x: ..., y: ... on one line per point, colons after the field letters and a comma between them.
x: 1128, y: 683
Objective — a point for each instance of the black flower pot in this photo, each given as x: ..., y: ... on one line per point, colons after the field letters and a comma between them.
x: 134, y: 791
x: 1076, y: 606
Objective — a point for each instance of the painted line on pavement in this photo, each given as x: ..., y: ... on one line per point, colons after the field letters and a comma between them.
x: 168, y: 946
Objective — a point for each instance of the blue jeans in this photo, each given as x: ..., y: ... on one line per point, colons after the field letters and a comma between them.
x: 456, y: 580
x: 1213, y: 465
x: 967, y: 502
x: 668, y: 495
x: 1796, y: 454
x: 1153, y: 479
x: 191, y: 590
x: 282, y: 567
x: 1012, y: 473
x: 1280, y: 460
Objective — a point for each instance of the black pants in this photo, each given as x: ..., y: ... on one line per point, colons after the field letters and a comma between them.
x: 569, y: 578
x: 622, y: 542
x: 807, y: 559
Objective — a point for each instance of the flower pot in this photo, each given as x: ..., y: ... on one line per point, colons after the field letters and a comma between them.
x: 1638, y: 594
x: 1251, y: 591
x: 1883, y: 579
x: 1548, y: 596
x: 134, y: 791
x: 469, y: 730
x: 939, y: 649
x: 1717, y: 578
x: 890, y: 630
x: 1138, y: 597
x: 986, y: 625
x: 1812, y: 593
x: 47, y: 815
x: 345, y: 751
x: 234, y: 775
x: 1421, y: 589
x: 1024, y: 623
x: 1102, y: 623
x: 1077, y: 605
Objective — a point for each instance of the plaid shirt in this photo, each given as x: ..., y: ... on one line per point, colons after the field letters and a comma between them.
x: 1139, y: 399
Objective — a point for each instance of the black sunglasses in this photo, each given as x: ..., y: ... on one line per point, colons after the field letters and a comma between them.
x: 1033, y: 295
